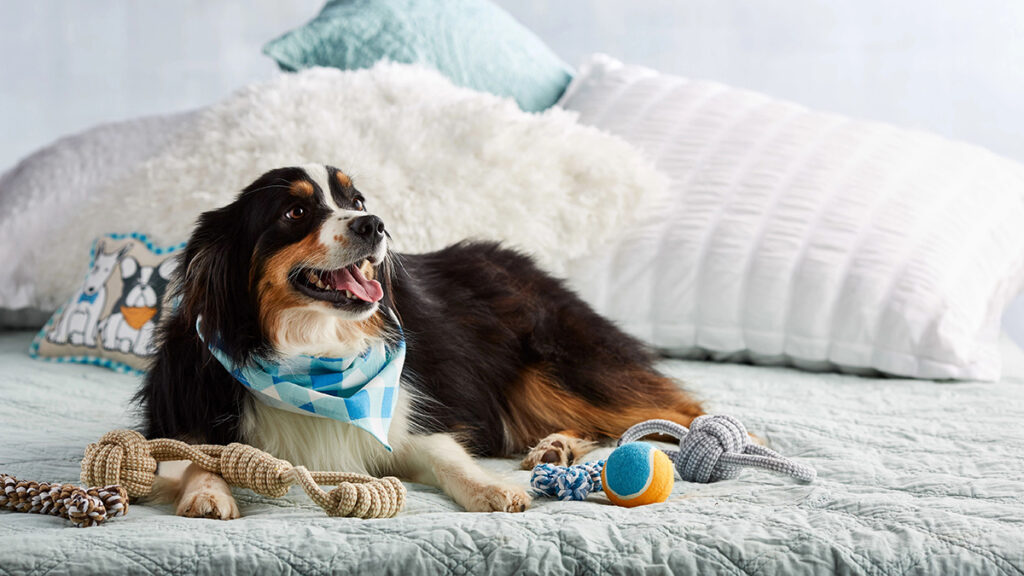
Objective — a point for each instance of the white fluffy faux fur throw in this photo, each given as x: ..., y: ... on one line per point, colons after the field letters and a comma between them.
x: 439, y: 163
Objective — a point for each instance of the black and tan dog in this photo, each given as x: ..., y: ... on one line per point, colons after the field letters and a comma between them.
x: 502, y: 358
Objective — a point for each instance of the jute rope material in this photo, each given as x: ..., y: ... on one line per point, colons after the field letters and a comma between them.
x: 125, y: 457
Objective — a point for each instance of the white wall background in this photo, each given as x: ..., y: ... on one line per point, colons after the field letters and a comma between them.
x: 950, y: 66
x: 955, y: 67
x: 68, y: 64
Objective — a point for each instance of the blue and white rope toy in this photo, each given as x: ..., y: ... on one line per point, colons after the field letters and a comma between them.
x: 715, y: 447
x: 568, y: 482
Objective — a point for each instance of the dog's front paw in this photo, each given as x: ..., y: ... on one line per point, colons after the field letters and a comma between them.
x: 207, y: 502
x: 499, y: 498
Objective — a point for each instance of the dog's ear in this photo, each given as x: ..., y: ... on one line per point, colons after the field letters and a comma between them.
x: 212, y: 279
x: 124, y: 252
x: 386, y: 276
x: 100, y: 245
x: 129, y: 266
x: 167, y: 268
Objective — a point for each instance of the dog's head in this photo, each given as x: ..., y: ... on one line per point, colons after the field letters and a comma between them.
x: 294, y: 265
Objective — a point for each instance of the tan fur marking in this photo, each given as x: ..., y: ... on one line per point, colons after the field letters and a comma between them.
x: 287, y: 316
x: 275, y: 294
x: 539, y: 406
x: 344, y: 179
x: 301, y: 188
x: 308, y: 252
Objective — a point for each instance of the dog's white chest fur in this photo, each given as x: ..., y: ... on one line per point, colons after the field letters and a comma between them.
x: 322, y: 443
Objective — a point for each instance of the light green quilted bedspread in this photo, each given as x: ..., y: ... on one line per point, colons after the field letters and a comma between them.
x: 914, y: 478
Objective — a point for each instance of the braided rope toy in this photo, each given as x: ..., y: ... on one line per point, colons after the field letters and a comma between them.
x: 715, y: 447
x: 82, y: 506
x: 125, y: 457
x: 568, y: 482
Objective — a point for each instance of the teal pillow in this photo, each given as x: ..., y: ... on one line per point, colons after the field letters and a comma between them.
x: 473, y: 42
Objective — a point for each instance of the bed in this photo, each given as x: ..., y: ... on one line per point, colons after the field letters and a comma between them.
x: 914, y: 477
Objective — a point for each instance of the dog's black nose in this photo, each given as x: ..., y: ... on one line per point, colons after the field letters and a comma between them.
x: 369, y: 227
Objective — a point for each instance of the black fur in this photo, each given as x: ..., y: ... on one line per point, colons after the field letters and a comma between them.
x: 475, y: 316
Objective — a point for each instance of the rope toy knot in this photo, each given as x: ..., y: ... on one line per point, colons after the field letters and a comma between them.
x: 700, y: 451
x: 125, y: 463
x: 568, y: 482
x: 248, y: 467
x: 85, y: 510
x: 120, y: 457
x: 716, y: 447
x: 377, y: 499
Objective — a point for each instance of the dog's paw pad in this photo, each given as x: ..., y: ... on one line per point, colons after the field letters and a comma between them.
x: 557, y: 449
x: 213, y: 504
x: 500, y: 498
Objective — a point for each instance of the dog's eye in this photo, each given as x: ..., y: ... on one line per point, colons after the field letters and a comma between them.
x: 358, y: 204
x: 296, y: 213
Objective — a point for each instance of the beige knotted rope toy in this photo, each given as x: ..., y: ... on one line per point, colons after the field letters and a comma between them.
x: 126, y: 458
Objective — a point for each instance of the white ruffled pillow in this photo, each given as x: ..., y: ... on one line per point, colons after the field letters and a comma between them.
x: 438, y: 162
x: 794, y: 236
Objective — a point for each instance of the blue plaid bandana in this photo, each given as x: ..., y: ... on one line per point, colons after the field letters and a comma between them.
x: 361, y: 391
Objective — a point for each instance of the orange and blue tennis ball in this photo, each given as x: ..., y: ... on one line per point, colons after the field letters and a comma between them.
x: 637, y: 473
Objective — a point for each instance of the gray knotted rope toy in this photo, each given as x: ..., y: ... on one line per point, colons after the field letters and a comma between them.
x: 715, y: 448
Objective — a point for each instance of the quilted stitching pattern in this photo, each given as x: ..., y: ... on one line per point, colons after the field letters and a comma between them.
x: 915, y: 477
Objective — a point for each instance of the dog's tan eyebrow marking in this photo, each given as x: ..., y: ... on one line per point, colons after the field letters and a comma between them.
x: 301, y: 188
x: 343, y: 178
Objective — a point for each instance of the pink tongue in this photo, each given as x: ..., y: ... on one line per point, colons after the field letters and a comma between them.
x: 351, y: 278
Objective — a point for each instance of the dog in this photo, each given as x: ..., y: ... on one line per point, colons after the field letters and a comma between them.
x: 501, y: 358
x: 79, y: 323
x: 130, y: 327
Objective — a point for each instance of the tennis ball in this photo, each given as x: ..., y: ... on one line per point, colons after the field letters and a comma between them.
x: 637, y: 473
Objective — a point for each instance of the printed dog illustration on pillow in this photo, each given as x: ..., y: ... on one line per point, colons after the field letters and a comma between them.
x: 129, y: 328
x: 80, y: 321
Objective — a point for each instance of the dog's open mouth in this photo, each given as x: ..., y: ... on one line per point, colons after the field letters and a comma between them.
x: 344, y: 287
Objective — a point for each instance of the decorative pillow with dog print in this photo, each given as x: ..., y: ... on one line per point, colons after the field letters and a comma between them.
x: 110, y: 319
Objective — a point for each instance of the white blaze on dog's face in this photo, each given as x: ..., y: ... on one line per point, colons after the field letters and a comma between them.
x: 316, y: 268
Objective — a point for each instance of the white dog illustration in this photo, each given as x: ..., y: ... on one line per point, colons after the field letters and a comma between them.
x: 129, y: 328
x: 80, y: 320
